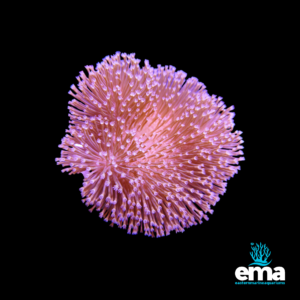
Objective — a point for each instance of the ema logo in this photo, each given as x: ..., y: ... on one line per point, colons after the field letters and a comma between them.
x: 260, y: 255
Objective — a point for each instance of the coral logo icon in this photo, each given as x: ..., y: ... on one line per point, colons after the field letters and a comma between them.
x: 260, y: 254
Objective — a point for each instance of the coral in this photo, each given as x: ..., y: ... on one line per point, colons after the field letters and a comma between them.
x: 155, y: 151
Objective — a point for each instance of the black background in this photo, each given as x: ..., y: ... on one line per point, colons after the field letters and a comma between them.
x: 236, y: 65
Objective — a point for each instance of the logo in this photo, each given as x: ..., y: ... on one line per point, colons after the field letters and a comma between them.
x: 260, y: 255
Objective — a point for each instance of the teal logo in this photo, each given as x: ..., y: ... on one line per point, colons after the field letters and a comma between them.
x: 260, y: 254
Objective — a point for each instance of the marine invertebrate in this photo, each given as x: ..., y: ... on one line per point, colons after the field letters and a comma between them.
x: 155, y: 151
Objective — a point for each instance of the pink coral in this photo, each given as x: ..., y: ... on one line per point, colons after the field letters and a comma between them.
x: 155, y: 152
